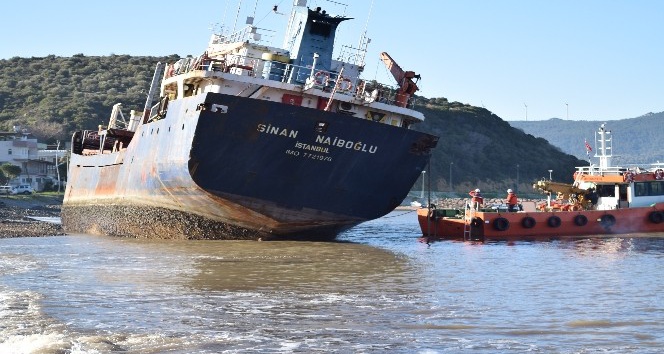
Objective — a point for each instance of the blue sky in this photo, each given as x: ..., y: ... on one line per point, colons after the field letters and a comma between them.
x: 582, y: 59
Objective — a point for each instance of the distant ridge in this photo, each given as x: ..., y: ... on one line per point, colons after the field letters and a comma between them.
x: 635, y: 140
x: 480, y: 150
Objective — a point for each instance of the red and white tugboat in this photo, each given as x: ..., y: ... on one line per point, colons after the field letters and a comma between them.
x: 603, y: 200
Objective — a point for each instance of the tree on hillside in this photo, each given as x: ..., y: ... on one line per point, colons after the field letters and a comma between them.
x: 10, y: 171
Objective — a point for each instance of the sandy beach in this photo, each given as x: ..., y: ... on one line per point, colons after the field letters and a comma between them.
x: 16, y: 213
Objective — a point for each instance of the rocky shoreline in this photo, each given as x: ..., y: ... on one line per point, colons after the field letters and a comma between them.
x: 460, y: 203
x: 16, y: 213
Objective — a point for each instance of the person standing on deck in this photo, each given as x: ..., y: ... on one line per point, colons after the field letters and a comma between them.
x: 477, y: 199
x: 511, y: 201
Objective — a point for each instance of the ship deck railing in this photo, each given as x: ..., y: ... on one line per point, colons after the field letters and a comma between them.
x: 356, y: 87
x: 598, y: 170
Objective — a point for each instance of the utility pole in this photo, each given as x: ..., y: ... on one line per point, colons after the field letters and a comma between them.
x: 422, y: 195
x: 451, y: 185
x: 516, y: 189
x: 567, y: 106
x: 57, y: 165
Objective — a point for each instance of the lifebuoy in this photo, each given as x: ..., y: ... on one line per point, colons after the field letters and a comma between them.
x: 553, y: 221
x: 607, y: 220
x: 501, y: 224
x: 476, y: 222
x: 628, y: 176
x: 320, y: 78
x: 528, y: 222
x: 345, y: 84
x: 659, y: 174
x: 656, y: 217
x: 580, y: 220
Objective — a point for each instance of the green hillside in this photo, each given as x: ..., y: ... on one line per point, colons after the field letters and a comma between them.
x: 635, y: 140
x: 483, y: 150
x: 54, y: 96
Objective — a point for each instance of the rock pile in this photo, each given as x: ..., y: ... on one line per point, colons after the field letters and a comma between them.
x: 15, y: 216
x: 460, y: 203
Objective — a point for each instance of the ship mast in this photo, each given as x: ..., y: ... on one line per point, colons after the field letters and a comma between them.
x: 605, y: 151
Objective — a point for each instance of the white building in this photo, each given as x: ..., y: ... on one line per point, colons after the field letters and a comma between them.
x: 54, y: 156
x: 22, y: 149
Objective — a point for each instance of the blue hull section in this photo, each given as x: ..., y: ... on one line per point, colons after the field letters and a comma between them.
x: 297, y: 158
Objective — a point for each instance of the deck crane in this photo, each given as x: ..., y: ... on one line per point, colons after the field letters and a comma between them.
x: 576, y: 197
x: 407, y: 87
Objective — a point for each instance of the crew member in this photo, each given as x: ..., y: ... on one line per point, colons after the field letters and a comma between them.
x: 477, y: 199
x: 511, y: 201
x: 592, y: 196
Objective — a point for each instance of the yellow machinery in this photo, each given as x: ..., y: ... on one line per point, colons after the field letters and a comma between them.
x: 568, y: 197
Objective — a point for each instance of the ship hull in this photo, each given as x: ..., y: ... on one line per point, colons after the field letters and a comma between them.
x: 543, y: 225
x: 228, y: 167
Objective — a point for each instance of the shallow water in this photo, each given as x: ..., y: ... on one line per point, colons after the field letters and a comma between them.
x: 379, y: 290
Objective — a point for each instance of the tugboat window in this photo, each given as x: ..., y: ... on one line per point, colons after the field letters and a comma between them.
x: 606, y: 190
x: 644, y: 189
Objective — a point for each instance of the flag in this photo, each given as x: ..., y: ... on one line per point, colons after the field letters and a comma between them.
x: 588, y: 148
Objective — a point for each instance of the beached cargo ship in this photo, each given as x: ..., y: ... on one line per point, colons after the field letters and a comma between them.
x: 249, y: 141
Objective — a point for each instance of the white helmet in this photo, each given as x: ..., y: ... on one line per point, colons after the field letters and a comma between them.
x: 477, y: 191
x: 509, y: 191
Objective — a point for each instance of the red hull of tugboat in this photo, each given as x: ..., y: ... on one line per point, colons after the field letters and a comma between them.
x: 603, y: 200
x: 546, y: 225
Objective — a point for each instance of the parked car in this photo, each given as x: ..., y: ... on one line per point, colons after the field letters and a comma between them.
x: 6, y: 189
x: 23, y: 189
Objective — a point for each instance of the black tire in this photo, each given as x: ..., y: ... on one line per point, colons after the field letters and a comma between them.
x: 607, y: 220
x: 501, y: 224
x: 26, y: 193
x: 528, y: 222
x: 580, y: 220
x: 656, y: 217
x: 553, y: 221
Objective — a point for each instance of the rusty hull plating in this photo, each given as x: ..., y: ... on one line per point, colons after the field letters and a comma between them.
x: 253, y: 169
